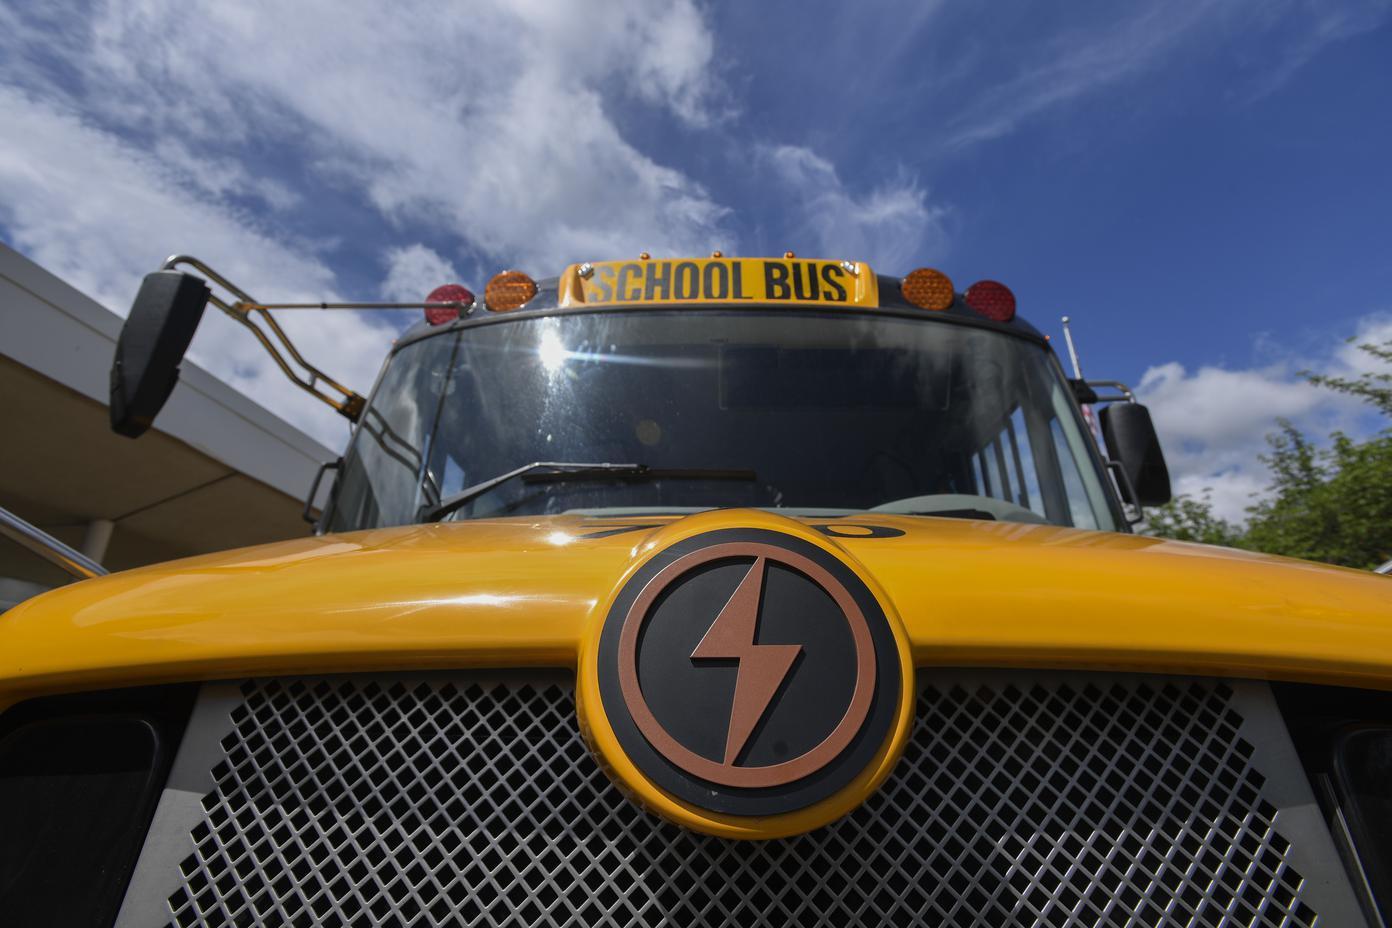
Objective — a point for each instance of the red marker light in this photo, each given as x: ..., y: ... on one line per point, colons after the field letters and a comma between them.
x: 449, y: 293
x: 992, y: 300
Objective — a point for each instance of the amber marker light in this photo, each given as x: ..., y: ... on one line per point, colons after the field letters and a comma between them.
x: 508, y: 290
x: 992, y: 300
x: 927, y: 288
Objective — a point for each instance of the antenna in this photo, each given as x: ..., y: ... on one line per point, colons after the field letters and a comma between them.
x: 1072, y: 351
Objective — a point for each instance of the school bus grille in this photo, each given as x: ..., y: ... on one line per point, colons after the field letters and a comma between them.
x: 357, y: 801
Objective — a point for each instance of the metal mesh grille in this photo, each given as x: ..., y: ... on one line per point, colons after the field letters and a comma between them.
x: 361, y: 803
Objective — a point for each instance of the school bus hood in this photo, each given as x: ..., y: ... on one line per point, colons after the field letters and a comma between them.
x: 524, y: 592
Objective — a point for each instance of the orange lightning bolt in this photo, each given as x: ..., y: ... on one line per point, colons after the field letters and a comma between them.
x: 762, y: 667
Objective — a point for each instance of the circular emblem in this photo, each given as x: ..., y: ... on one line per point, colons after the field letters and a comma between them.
x: 748, y: 672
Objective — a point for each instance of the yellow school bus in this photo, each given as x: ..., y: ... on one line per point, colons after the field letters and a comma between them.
x: 700, y: 592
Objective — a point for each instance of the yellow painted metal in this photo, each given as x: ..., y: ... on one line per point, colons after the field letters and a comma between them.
x: 518, y: 592
x: 480, y: 594
x: 667, y: 282
x: 530, y: 591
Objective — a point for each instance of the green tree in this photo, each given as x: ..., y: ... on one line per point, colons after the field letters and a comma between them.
x: 1372, y: 387
x: 1188, y: 518
x: 1331, y: 504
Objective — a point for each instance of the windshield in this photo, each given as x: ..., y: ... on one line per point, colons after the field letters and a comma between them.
x: 819, y: 411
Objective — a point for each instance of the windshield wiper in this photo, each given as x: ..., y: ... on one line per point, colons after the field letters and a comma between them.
x: 558, y: 471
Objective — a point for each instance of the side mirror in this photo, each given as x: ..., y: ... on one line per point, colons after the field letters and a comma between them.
x: 162, y: 320
x: 1132, y: 443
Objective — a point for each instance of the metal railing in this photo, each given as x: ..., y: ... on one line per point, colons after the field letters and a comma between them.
x: 49, y: 548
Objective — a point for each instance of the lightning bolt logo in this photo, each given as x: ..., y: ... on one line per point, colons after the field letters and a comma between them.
x: 762, y: 667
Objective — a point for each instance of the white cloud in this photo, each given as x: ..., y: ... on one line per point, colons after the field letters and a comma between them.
x: 672, y: 58
x: 1064, y: 67
x: 1349, y: 359
x: 1076, y: 63
x: 487, y: 122
x: 487, y: 125
x: 1213, y: 421
x: 1327, y: 23
x: 221, y: 177
x: 145, y: 127
x: 414, y: 271
x: 101, y: 230
x: 891, y: 226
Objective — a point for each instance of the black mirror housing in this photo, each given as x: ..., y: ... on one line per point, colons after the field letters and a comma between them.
x: 1132, y: 443
x: 162, y: 320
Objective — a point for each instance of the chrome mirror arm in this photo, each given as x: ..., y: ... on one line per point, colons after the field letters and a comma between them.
x: 304, y: 375
x: 257, y: 317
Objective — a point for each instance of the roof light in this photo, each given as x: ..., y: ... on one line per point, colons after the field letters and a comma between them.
x: 449, y: 293
x: 992, y: 300
x: 927, y: 288
x: 508, y: 290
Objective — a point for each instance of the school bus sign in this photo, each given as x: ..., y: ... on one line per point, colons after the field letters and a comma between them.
x: 720, y: 280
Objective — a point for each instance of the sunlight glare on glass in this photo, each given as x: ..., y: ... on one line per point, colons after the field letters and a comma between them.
x: 552, y: 352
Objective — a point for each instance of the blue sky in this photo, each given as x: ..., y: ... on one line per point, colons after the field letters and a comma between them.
x: 1202, y: 186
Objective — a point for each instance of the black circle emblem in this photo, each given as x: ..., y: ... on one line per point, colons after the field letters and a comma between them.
x: 748, y: 672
